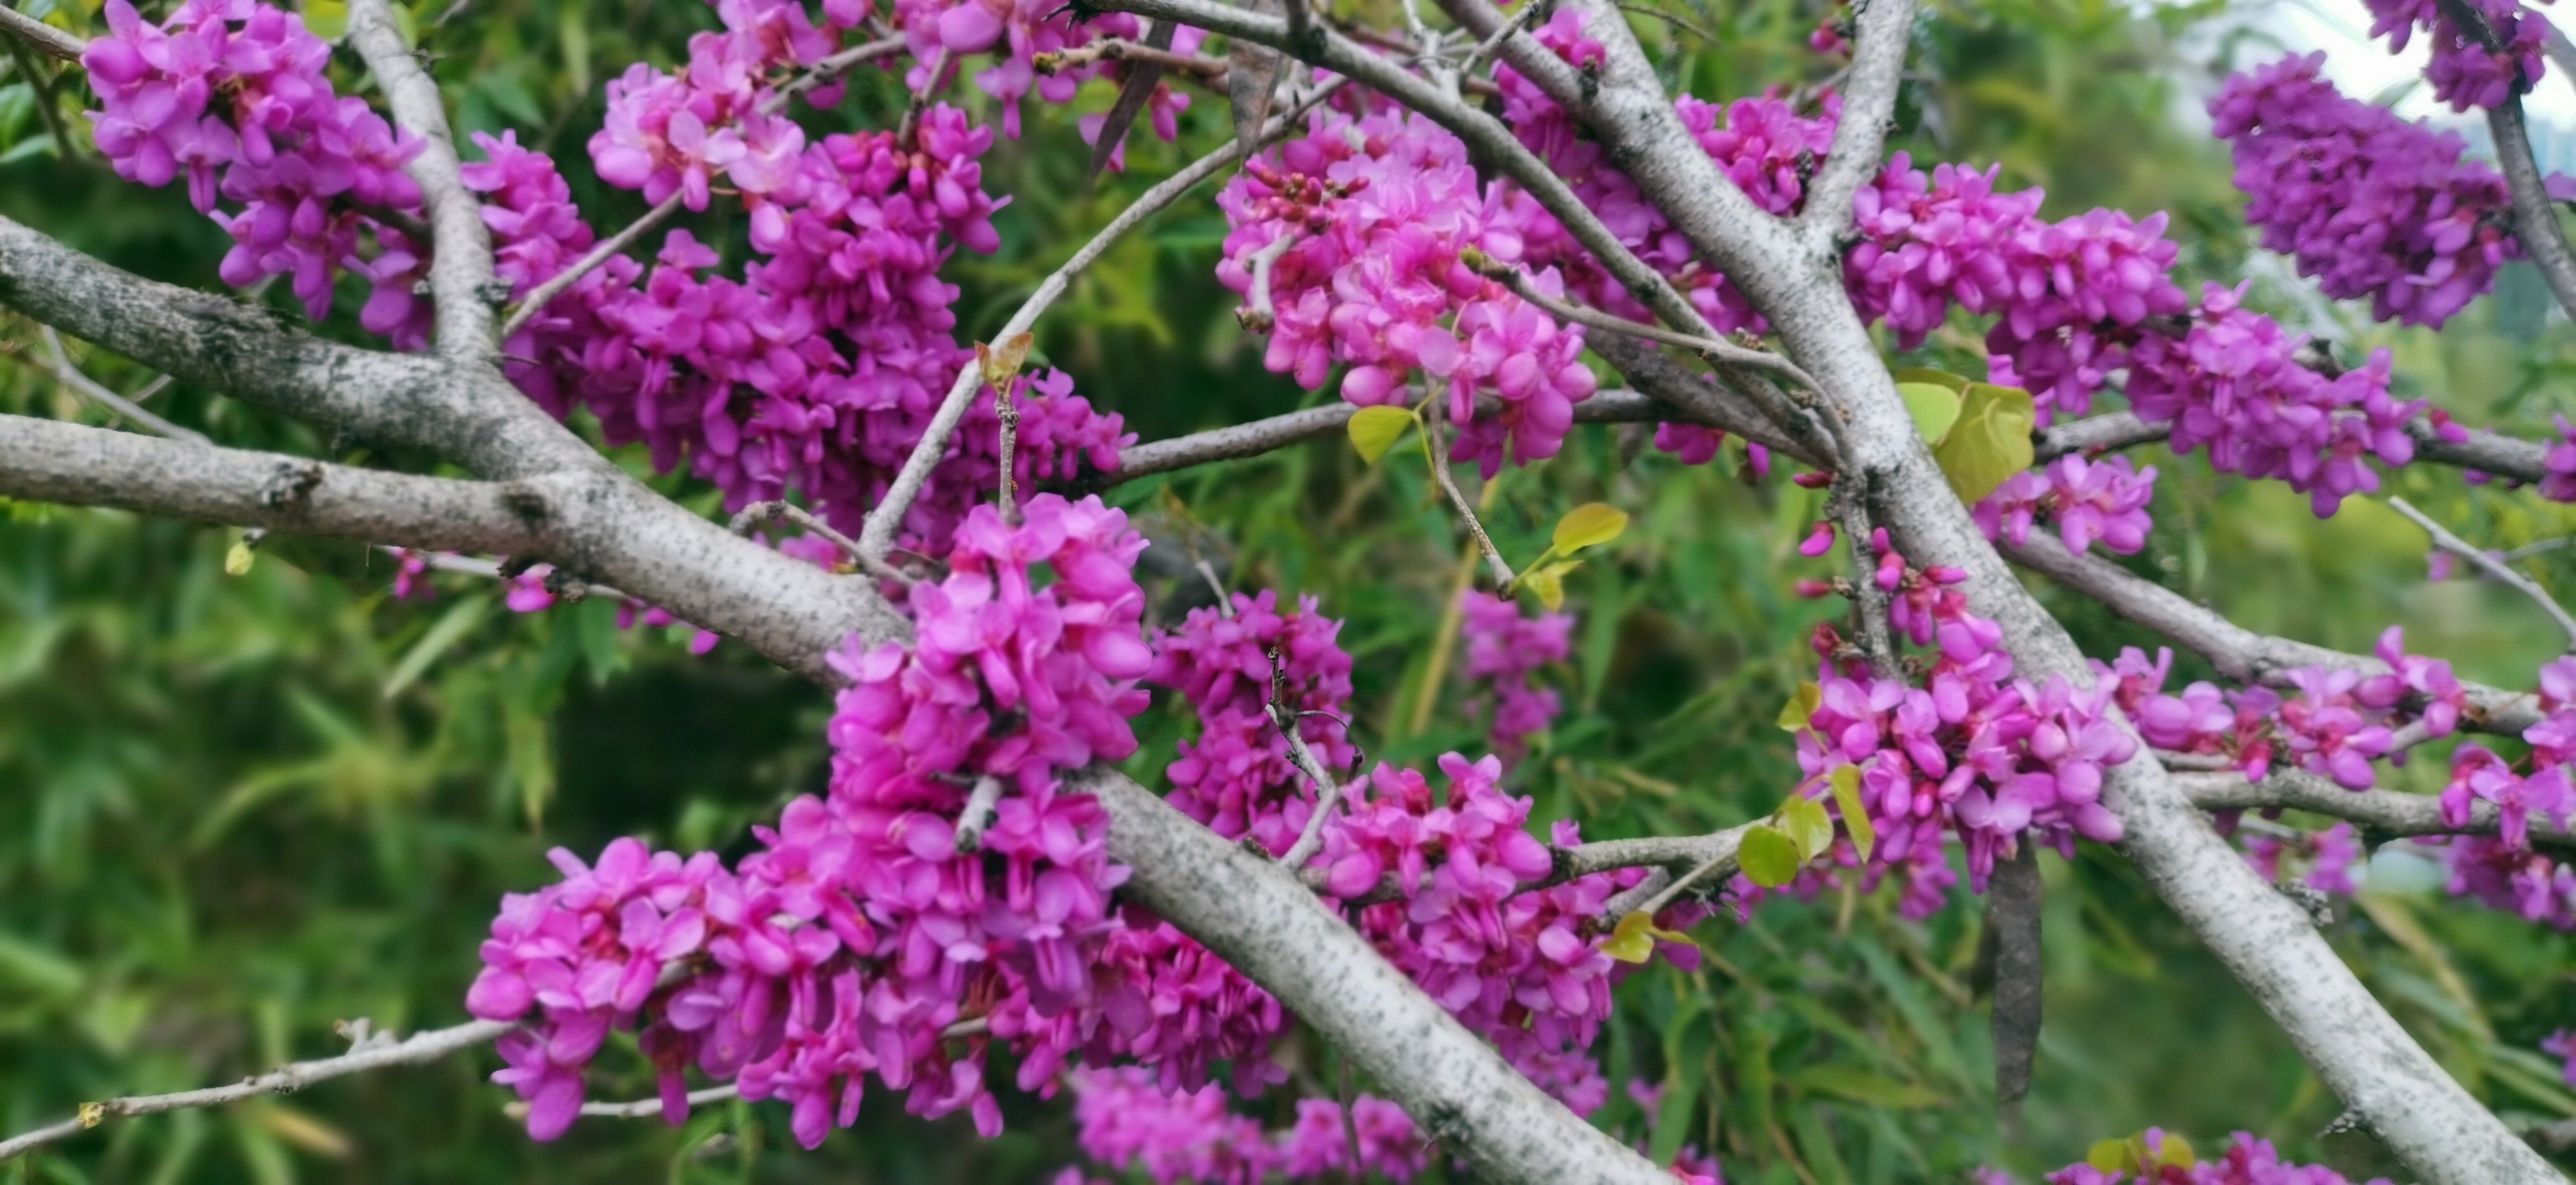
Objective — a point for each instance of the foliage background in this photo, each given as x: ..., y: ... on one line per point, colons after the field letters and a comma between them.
x: 235, y: 810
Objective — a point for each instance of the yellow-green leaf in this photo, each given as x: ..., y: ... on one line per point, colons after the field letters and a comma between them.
x: 1768, y: 858
x: 1805, y: 821
x: 1934, y: 408
x: 1864, y: 834
x: 1954, y: 384
x: 237, y: 561
x: 1589, y: 525
x: 2111, y: 1156
x: 2177, y: 1153
x: 1376, y: 429
x: 326, y: 19
x: 1802, y: 704
x: 1629, y: 942
x: 1548, y: 581
x: 1002, y: 363
x: 1990, y: 441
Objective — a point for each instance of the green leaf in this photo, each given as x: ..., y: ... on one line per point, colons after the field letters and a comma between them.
x: 1864, y: 834
x: 1934, y: 408
x: 1954, y: 384
x: 454, y: 624
x: 326, y: 19
x: 1768, y: 858
x: 1862, y: 1086
x: 2111, y: 1156
x: 1548, y: 581
x: 1376, y: 429
x: 1990, y: 441
x: 1589, y: 525
x: 1805, y: 822
x: 237, y: 562
x: 1802, y: 704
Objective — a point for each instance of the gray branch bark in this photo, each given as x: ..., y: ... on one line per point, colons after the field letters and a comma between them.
x: 460, y: 269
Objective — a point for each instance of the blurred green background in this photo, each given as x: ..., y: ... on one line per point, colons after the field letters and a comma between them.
x: 236, y: 810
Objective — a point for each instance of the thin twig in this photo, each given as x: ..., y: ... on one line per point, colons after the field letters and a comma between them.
x: 1850, y: 500
x: 1667, y: 18
x: 1211, y: 71
x: 419, y: 1048
x: 1259, y: 314
x: 1715, y: 351
x: 920, y: 104
x: 1008, y: 413
x: 761, y: 512
x: 1485, y: 48
x: 463, y: 288
x: 47, y: 109
x: 90, y: 388
x: 2493, y: 567
x: 543, y: 294
x: 638, y: 1109
x: 1328, y: 790
x: 1432, y: 422
x: 876, y: 538
x: 1224, y: 600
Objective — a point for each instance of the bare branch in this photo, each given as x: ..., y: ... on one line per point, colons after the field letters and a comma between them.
x: 460, y: 269
x: 2495, y: 569
x: 2483, y: 452
x: 1118, y: 49
x: 876, y: 538
x: 761, y: 512
x: 2239, y: 653
x: 2108, y: 432
x: 1432, y: 426
x: 44, y: 38
x: 2387, y: 812
x: 1714, y: 350
x: 977, y: 814
x: 49, y: 461
x: 420, y: 1048
x: 1261, y: 919
x: 2535, y: 217
x: 639, y: 1108
x: 97, y: 392
x: 1869, y: 109
x: 1710, y: 400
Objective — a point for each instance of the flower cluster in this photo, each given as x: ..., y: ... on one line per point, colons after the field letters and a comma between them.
x: 1030, y: 40
x: 820, y: 369
x: 2088, y: 500
x: 2503, y: 871
x: 240, y: 87
x: 1972, y: 749
x: 2340, y: 721
x: 2464, y: 72
x: 2247, y: 1161
x: 2369, y: 204
x: 1360, y: 234
x: 1516, y: 964
x: 1126, y: 1121
x: 949, y: 877
x: 1238, y: 777
x: 1504, y: 652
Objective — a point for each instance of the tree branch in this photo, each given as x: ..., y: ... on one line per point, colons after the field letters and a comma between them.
x: 96, y: 392
x: 420, y: 1048
x: 2105, y: 433
x: 2535, y: 217
x: 2387, y: 812
x: 2495, y: 569
x: 44, y: 38
x: 1715, y: 351
x: 1259, y: 918
x: 460, y: 269
x: 1869, y: 109
x: 2239, y: 653
x: 50, y: 461
x: 876, y: 536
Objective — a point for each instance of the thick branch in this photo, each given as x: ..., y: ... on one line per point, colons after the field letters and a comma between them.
x: 1259, y: 918
x: 2239, y: 653
x: 418, y: 1049
x: 50, y: 461
x: 1869, y: 109
x: 460, y: 269
x: 2483, y: 452
x: 44, y: 38
x: 2535, y: 217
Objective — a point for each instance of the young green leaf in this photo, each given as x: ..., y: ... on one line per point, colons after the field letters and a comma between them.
x: 1802, y: 704
x: 2111, y: 1156
x: 1376, y: 429
x: 1990, y: 441
x: 237, y: 562
x: 1002, y: 363
x: 1934, y: 408
x: 1548, y: 581
x: 1768, y: 858
x: 1589, y: 525
x: 1864, y: 834
x: 1805, y: 821
x: 1633, y: 940
x: 1954, y: 384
